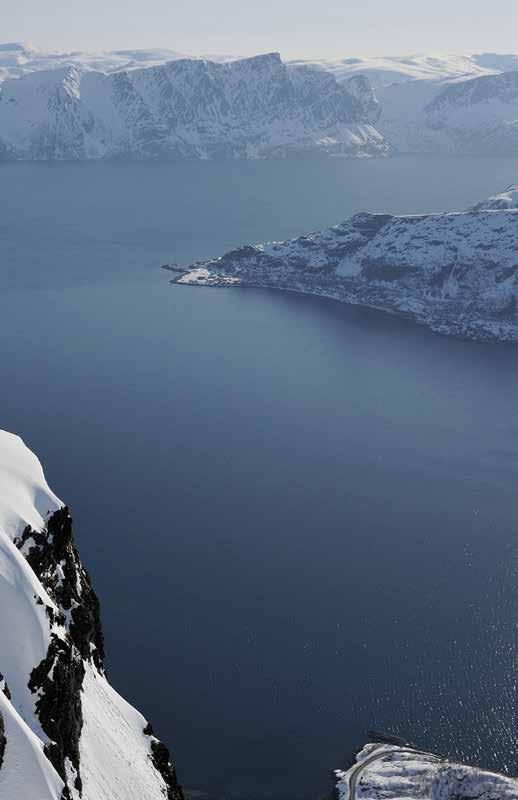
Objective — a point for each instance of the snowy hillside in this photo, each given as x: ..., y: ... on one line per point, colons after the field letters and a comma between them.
x: 441, y: 103
x: 64, y: 732
x: 456, y: 273
x: 394, y: 773
x: 475, y: 116
x: 186, y: 109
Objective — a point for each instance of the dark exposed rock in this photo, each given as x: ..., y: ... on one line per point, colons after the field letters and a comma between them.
x: 3, y: 740
x: 54, y: 558
x: 58, y: 679
x: 4, y: 687
x: 162, y: 762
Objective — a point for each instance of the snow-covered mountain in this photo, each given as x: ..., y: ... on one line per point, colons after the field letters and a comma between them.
x: 65, y: 733
x: 475, y: 116
x: 187, y: 108
x: 457, y: 273
x: 394, y: 772
x: 441, y: 103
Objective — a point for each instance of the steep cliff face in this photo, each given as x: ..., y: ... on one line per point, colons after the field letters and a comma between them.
x: 188, y: 108
x: 456, y: 273
x: 65, y: 733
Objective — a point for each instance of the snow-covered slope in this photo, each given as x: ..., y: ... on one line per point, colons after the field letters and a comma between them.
x: 498, y: 202
x: 475, y: 116
x: 186, y: 109
x: 401, y: 773
x: 64, y: 732
x: 442, y: 102
x: 456, y: 273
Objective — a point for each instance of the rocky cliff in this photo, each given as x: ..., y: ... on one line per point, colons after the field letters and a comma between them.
x: 65, y: 734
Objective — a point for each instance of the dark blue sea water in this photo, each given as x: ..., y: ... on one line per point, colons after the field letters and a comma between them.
x: 301, y: 518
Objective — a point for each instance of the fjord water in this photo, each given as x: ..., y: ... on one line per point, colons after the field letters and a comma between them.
x: 300, y: 518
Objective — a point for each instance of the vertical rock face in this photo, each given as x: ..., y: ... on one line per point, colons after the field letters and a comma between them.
x: 69, y: 732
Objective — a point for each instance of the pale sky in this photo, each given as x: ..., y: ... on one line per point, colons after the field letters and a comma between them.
x: 308, y: 28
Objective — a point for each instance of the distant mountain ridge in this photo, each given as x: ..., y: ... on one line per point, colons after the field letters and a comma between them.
x: 249, y: 108
x: 158, y: 103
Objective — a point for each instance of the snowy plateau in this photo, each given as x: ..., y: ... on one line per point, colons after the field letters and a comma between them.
x: 144, y: 104
x: 65, y: 733
x: 456, y: 273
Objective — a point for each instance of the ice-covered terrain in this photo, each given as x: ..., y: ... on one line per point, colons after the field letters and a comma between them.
x: 64, y: 732
x: 457, y: 273
x: 249, y: 108
x: 399, y: 773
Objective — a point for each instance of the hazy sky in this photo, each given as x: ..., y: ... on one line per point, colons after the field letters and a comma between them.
x: 294, y: 27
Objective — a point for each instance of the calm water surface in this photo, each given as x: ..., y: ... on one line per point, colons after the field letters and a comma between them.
x: 301, y: 518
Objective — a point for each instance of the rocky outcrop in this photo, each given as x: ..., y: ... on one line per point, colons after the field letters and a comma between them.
x: 455, y: 273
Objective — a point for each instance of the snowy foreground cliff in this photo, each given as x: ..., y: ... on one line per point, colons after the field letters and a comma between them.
x: 457, y: 273
x: 64, y: 732
x: 399, y: 773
